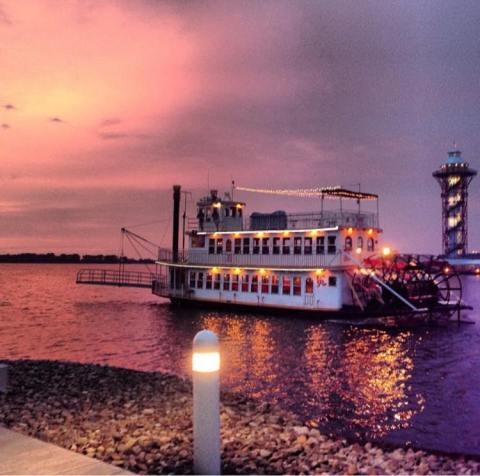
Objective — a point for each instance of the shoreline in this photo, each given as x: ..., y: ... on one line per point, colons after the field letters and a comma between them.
x: 141, y: 421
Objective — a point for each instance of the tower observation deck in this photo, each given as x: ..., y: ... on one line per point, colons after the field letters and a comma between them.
x: 454, y: 177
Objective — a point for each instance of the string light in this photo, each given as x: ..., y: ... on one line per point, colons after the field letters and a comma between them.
x: 329, y: 192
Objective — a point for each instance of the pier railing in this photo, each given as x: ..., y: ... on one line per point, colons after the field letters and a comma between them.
x: 111, y: 277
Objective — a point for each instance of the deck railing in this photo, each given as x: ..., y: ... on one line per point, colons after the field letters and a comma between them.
x: 111, y: 277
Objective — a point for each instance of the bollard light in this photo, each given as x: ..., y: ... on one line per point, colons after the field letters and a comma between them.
x: 206, y: 403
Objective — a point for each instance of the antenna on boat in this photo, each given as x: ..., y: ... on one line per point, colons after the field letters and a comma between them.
x: 233, y: 188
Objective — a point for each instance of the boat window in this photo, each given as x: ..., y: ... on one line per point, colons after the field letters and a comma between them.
x: 297, y: 245
x: 254, y: 283
x: 208, y: 284
x: 226, y: 282
x: 227, y: 211
x: 216, y: 284
x: 370, y: 245
x: 234, y: 212
x: 360, y: 242
x: 228, y: 246
x: 274, y: 284
x: 265, y: 246
x: 307, y: 246
x: 297, y: 286
x: 286, y: 285
x: 276, y: 246
x: 192, y: 279
x: 348, y: 243
x: 265, y: 284
x: 332, y: 281
x: 211, y: 246
x: 320, y: 245
x: 237, y: 246
x: 219, y: 246
x: 235, y: 279
x: 286, y: 246
x: 200, y: 280
x: 256, y: 246
x: 332, y: 247
x: 246, y: 246
x: 309, y: 286
x: 198, y: 241
x: 245, y: 280
x: 240, y: 212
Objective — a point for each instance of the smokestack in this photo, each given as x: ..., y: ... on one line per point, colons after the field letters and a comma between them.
x: 176, y: 221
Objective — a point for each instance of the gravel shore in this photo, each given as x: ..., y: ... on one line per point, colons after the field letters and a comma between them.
x: 142, y: 422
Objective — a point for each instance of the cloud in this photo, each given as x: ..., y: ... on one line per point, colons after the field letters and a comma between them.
x: 112, y: 121
x: 8, y: 107
x: 5, y: 126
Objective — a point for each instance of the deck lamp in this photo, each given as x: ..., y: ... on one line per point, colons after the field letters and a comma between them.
x: 358, y: 250
x: 206, y: 403
x: 386, y: 251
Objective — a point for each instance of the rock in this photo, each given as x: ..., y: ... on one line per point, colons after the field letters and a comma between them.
x: 301, y: 430
x: 265, y: 453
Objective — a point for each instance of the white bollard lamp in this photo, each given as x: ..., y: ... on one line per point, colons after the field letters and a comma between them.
x: 206, y: 403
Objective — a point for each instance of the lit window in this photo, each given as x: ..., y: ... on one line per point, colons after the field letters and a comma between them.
x: 360, y: 242
x: 309, y: 286
x: 245, y: 280
x: 192, y: 279
x: 370, y: 244
x: 286, y: 285
x: 286, y: 246
x: 228, y: 246
x: 235, y: 279
x: 348, y: 243
x: 199, y: 280
x: 274, y: 284
x: 265, y: 284
x: 216, y: 284
x: 208, y: 284
x: 226, y: 282
x: 297, y: 286
x: 276, y: 246
x: 219, y: 246
x: 254, y: 283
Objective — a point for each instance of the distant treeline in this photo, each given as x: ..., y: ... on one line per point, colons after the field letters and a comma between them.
x: 67, y: 258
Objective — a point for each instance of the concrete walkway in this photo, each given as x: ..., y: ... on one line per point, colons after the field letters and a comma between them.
x: 21, y: 454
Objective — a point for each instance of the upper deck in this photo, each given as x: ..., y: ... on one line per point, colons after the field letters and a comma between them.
x: 223, y: 236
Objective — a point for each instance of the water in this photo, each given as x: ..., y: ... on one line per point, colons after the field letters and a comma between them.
x: 420, y: 386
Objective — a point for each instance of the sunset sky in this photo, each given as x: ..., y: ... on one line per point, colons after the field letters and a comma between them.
x: 105, y: 104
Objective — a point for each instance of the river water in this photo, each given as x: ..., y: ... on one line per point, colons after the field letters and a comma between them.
x: 416, y: 386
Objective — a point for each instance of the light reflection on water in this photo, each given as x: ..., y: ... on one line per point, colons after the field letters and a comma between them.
x: 395, y: 385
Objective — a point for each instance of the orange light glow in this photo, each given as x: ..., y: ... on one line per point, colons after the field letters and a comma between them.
x: 215, y: 270
x: 370, y: 231
x: 286, y: 233
x: 319, y: 272
x: 217, y: 205
x: 236, y: 235
x: 477, y: 270
x: 237, y: 271
x: 358, y: 250
x: 216, y: 233
x: 263, y: 272
x: 446, y: 270
x: 260, y: 235
x: 313, y: 233
x: 386, y: 251
x: 350, y: 231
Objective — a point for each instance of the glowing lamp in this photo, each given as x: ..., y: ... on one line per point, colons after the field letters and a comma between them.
x: 236, y: 235
x: 239, y: 205
x: 446, y: 270
x: 358, y: 250
x: 217, y: 205
x: 206, y: 362
x: 286, y: 233
x: 370, y: 231
x: 263, y: 272
x: 215, y: 270
x: 386, y: 251
x: 350, y: 230
x: 318, y: 272
x: 237, y: 271
x: 216, y: 233
x: 477, y: 270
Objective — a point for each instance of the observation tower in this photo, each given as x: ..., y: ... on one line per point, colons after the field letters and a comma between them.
x: 454, y: 177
